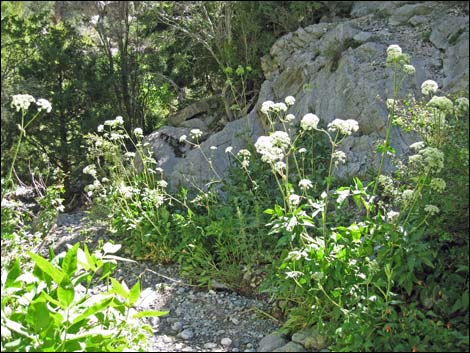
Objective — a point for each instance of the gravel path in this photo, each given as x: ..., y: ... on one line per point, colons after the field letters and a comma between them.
x: 198, y: 320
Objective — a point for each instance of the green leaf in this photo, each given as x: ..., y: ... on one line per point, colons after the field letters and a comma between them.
x: 69, y: 264
x: 65, y: 292
x: 13, y: 274
x: 146, y: 313
x: 56, y: 274
x: 134, y: 293
x: 119, y: 289
x: 465, y: 300
x: 39, y: 315
x: 93, y: 309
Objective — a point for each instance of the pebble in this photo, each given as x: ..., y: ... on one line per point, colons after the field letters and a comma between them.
x: 226, y: 342
x: 177, y: 326
x: 210, y: 345
x: 186, y: 334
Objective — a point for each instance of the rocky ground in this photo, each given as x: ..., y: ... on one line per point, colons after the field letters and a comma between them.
x: 198, y: 320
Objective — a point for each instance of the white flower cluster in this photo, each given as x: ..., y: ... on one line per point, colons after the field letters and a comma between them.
x: 100, y: 128
x: 162, y: 183
x: 431, y: 209
x: 289, y: 100
x: 294, y: 200
x: 138, y: 132
x: 429, y: 158
x: 116, y: 122
x: 391, y: 103
x: 428, y: 87
x: 22, y: 101
x: 309, y: 122
x: 229, y: 149
x: 305, y: 184
x: 433, y: 159
x: 438, y: 184
x: 126, y: 191
x: 346, y: 127
x: 244, y: 155
x: 195, y: 133
x: 90, y: 169
x: 271, y: 107
x: 272, y: 148
x: 44, y: 104
x: 407, y: 196
x: 409, y: 69
x: 339, y: 157
x: 280, y: 167
x: 461, y: 105
x: 444, y: 104
x: 395, y: 54
x: 417, y: 146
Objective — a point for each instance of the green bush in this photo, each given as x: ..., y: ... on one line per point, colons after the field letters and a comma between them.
x: 51, y: 308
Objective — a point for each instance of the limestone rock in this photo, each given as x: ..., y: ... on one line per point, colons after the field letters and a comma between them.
x: 291, y: 347
x: 272, y: 342
x: 337, y: 71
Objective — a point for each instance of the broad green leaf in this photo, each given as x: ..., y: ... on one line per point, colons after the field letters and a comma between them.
x: 56, y: 274
x: 134, y: 293
x: 65, y: 292
x: 93, y: 309
x: 119, y: 289
x: 146, y: 313
x: 38, y: 315
x: 13, y: 274
x: 69, y: 264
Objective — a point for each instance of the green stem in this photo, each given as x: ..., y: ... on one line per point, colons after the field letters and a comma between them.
x: 396, y: 87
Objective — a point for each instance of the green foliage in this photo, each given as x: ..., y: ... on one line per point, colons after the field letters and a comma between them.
x: 52, y: 309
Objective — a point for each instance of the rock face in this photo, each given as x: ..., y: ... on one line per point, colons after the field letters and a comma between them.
x: 337, y: 70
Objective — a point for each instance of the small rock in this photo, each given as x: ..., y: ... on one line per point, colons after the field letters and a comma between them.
x: 234, y: 321
x: 210, y: 345
x: 272, y: 342
x: 177, y: 326
x: 291, y: 347
x: 186, y: 334
x: 226, y: 342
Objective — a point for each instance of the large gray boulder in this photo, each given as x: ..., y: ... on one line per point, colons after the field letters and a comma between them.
x: 337, y: 70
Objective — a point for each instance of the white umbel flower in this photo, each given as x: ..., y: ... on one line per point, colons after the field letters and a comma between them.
x: 22, y: 101
x: 289, y: 100
x: 346, y: 127
x: 294, y: 200
x: 429, y: 87
x: 138, y: 132
x: 309, y: 122
x: 195, y: 133
x: 305, y: 184
x: 44, y: 104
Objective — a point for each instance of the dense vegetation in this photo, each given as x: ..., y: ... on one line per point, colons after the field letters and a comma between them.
x: 374, y: 265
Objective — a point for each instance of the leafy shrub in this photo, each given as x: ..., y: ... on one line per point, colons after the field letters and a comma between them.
x: 53, y: 308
